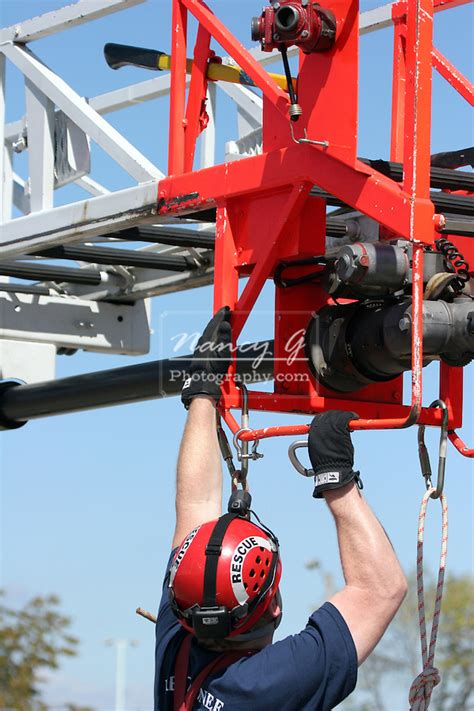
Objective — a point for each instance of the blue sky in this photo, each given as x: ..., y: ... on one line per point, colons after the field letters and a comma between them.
x: 87, y: 499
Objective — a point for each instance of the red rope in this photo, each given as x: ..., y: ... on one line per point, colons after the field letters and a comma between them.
x: 423, y: 685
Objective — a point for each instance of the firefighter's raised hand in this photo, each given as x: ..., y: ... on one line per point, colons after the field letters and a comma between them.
x: 211, y: 359
x: 331, y: 451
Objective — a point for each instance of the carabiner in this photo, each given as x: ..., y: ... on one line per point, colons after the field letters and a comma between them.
x: 299, y: 444
x: 425, y: 457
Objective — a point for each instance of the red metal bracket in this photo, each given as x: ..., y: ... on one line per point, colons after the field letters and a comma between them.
x: 459, y: 444
x: 452, y: 75
x: 265, y: 211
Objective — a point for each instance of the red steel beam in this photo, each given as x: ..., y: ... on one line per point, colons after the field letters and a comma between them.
x: 177, y: 89
x: 360, y: 186
x: 226, y: 281
x: 262, y: 269
x: 196, y: 96
x: 440, y: 5
x: 453, y: 76
x: 398, y: 84
x: 239, y: 53
x: 416, y: 152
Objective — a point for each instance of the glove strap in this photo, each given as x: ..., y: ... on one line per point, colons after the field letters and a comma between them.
x: 327, y: 481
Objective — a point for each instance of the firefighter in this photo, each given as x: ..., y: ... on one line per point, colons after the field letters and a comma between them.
x: 221, y: 602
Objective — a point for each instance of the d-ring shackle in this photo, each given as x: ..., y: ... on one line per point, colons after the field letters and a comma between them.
x: 242, y: 447
x: 425, y: 457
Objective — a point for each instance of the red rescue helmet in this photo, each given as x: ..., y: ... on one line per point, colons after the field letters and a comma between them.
x: 224, y: 576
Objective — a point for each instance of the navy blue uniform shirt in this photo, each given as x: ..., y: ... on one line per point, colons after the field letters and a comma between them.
x: 310, y: 671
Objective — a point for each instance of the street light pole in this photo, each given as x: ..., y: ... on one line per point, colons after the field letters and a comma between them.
x: 121, y: 646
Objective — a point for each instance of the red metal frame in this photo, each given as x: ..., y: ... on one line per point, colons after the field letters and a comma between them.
x: 452, y: 75
x: 197, y: 90
x: 459, y: 444
x: 265, y: 213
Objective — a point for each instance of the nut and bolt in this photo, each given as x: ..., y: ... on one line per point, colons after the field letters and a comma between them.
x: 20, y: 144
x: 470, y: 319
x: 404, y: 324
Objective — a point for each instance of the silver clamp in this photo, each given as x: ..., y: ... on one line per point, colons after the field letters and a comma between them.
x: 299, y: 444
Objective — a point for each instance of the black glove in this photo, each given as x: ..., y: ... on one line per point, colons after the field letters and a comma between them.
x: 331, y: 451
x: 211, y: 359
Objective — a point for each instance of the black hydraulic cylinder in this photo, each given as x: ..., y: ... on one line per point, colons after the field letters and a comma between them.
x: 149, y: 233
x: 334, y: 228
x: 11, y: 287
x: 441, y: 178
x: 454, y: 159
x: 125, y: 257
x: 458, y: 227
x: 454, y: 204
x: 119, y: 386
x: 35, y: 271
x: 443, y: 202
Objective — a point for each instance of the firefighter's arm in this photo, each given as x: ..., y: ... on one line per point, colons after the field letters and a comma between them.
x: 199, y: 475
x: 375, y: 584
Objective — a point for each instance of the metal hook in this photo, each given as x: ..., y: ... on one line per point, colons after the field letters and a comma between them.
x: 425, y: 457
x: 299, y: 444
x: 224, y: 446
x: 325, y: 144
x: 240, y: 478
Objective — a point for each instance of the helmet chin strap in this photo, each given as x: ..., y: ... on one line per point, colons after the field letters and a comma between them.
x: 267, y: 629
x: 258, y: 633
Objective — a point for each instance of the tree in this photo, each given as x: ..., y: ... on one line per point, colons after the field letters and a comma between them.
x: 456, y: 647
x: 32, y: 640
x: 397, y: 659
